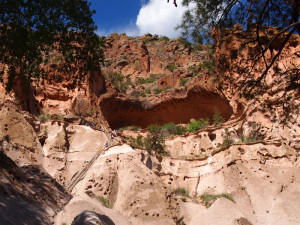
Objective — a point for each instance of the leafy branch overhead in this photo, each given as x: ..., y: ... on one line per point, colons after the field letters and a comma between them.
x: 31, y: 31
x: 257, y: 16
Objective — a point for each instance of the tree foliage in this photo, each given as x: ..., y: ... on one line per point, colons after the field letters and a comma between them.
x: 204, y: 14
x: 258, y: 16
x: 31, y: 31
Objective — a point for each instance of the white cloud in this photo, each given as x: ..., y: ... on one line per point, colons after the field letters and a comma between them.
x: 160, y: 17
x: 130, y: 30
x: 155, y: 17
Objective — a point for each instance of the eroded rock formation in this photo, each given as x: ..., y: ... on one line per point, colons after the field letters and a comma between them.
x: 248, y: 165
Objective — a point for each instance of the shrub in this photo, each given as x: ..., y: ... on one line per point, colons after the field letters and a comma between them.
x: 138, y: 142
x: 133, y: 128
x: 167, y: 88
x: 196, y: 125
x: 182, y: 192
x: 193, y: 69
x: 179, y: 130
x: 165, y: 38
x: 169, y: 126
x: 153, y: 77
x: 148, y: 91
x: 157, y: 91
x: 197, y: 47
x: 104, y: 202
x: 44, y: 117
x: 184, y: 42
x: 217, y: 117
x: 118, y: 80
x: 210, y: 66
x: 183, y: 81
x: 209, y: 199
x: 227, y: 139
x: 155, y: 139
x: 172, y: 67
x: 183, y: 199
x: 57, y: 116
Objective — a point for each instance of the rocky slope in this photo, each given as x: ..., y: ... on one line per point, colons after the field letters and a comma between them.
x: 242, y: 171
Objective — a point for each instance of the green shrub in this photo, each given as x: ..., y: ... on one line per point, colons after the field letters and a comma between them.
x: 44, y: 117
x: 157, y: 91
x: 148, y: 91
x: 179, y: 130
x: 210, y: 66
x: 183, y: 199
x: 138, y: 142
x: 104, y: 202
x: 167, y: 88
x: 165, y: 38
x: 217, y: 117
x: 184, y: 42
x: 197, y: 47
x: 183, y: 81
x: 227, y: 139
x: 57, y: 116
x: 182, y: 192
x: 172, y: 67
x: 196, y: 125
x: 137, y: 94
x: 133, y: 128
x: 118, y: 81
x: 209, y: 199
x: 153, y: 77
x: 193, y: 69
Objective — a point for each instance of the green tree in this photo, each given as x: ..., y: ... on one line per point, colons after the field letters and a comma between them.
x: 258, y: 16
x: 32, y: 30
x: 155, y: 139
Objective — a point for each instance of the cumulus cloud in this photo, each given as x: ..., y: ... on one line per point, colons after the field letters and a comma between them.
x: 130, y: 30
x: 160, y: 17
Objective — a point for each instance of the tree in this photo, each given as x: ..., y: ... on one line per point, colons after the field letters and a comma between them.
x: 203, y: 15
x: 155, y: 139
x: 32, y: 31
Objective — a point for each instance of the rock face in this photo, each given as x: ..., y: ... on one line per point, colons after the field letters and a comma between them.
x: 243, y: 171
x: 130, y: 187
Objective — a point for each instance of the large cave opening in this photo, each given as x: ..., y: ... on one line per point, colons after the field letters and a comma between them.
x: 201, y: 104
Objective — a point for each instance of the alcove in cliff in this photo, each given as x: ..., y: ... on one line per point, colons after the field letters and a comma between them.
x: 121, y: 113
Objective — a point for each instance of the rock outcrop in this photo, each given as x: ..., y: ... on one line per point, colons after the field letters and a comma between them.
x: 243, y: 170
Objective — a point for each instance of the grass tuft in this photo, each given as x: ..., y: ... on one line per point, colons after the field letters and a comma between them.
x: 105, y: 202
x: 209, y: 199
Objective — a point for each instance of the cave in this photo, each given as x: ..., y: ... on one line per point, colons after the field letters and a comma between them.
x: 197, y: 104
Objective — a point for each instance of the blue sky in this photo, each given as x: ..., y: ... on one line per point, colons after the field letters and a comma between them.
x: 137, y: 17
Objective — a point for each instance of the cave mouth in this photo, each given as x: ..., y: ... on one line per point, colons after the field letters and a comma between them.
x: 121, y: 113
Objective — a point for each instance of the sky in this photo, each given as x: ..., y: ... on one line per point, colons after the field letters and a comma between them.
x: 137, y: 17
